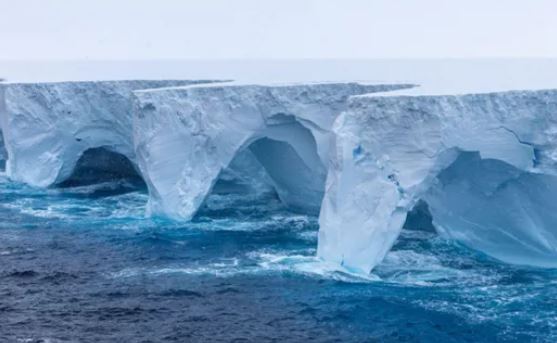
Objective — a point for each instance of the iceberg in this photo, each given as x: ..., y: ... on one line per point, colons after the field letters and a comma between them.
x: 186, y: 136
x: 485, y: 165
x: 362, y: 156
x: 48, y: 126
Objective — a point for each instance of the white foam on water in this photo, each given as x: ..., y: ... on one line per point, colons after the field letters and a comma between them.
x: 220, y: 268
x: 293, y: 223
x: 308, y: 265
x: 259, y: 262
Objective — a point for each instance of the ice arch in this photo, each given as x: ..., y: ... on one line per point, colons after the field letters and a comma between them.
x: 185, y: 137
x: 287, y: 153
x: 48, y: 126
x: 269, y: 171
x: 391, y: 152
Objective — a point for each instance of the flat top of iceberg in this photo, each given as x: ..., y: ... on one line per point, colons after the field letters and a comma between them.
x: 429, y: 91
x: 419, y: 91
x: 127, y: 81
x: 270, y: 84
x: 436, y: 76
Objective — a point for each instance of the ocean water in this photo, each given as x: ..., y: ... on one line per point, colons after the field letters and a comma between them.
x: 82, y: 264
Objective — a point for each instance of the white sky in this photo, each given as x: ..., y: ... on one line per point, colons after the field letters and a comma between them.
x: 262, y: 29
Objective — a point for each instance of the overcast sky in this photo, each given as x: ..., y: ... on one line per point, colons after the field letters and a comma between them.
x: 221, y: 29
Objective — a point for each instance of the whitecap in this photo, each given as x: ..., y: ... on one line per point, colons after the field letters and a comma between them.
x: 308, y: 265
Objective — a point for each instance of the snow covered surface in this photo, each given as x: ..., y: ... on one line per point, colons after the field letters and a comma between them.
x: 484, y: 163
x: 436, y: 76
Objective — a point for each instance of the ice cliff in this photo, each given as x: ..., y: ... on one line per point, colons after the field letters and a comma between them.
x: 485, y: 164
x: 186, y: 136
x: 48, y: 126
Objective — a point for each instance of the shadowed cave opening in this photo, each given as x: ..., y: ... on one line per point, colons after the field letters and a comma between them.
x: 113, y: 172
x: 419, y: 218
x: 486, y: 204
x: 299, y: 184
x: 469, y: 182
x: 493, y: 207
x: 269, y: 176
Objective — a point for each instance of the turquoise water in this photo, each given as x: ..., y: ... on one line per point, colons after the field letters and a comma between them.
x: 83, y: 264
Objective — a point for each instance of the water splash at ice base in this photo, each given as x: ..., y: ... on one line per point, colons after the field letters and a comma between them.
x: 83, y: 264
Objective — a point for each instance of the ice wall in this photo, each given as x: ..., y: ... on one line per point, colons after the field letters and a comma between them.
x: 186, y: 136
x: 48, y: 126
x: 391, y: 151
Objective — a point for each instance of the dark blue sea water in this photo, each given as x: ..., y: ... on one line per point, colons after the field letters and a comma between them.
x: 82, y: 264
